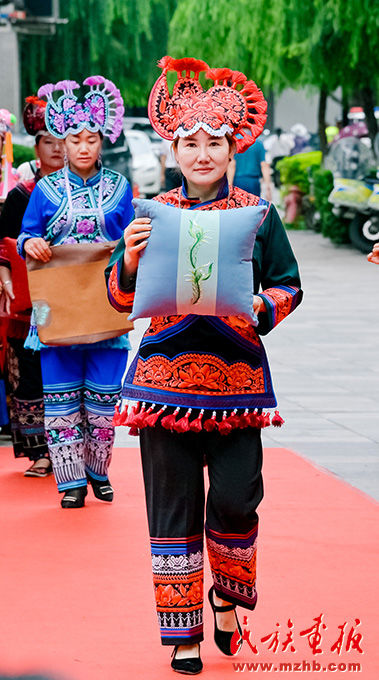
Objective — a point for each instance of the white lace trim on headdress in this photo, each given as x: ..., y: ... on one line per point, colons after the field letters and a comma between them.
x: 223, y: 130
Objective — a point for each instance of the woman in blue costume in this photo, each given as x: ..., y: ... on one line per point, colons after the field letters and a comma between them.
x: 82, y: 203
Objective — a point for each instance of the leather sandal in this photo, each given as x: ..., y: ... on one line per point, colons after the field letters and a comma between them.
x: 223, y: 638
x: 74, y: 498
x: 38, y: 470
x: 191, y: 665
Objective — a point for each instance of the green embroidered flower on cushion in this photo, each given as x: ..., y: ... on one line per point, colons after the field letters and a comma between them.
x: 198, y: 274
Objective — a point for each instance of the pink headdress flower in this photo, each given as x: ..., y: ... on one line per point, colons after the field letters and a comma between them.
x: 101, y: 110
x: 222, y: 109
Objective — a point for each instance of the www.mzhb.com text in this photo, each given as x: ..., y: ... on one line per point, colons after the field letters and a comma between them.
x: 300, y: 667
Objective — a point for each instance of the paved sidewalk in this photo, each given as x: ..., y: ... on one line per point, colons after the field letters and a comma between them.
x: 324, y: 361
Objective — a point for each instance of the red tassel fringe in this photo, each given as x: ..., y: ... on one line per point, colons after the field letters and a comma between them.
x: 277, y: 420
x: 138, y: 417
x: 224, y: 427
x: 168, y: 422
x: 182, y: 425
x: 196, y: 424
x: 211, y: 423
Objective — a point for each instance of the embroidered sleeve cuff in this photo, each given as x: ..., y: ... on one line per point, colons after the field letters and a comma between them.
x: 21, y: 242
x: 280, y: 301
x: 120, y: 298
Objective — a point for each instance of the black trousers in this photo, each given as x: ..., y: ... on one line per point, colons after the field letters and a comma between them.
x: 27, y: 409
x: 173, y: 468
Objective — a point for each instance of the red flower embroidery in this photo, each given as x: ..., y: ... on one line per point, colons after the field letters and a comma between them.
x: 164, y: 595
x: 196, y: 375
x: 195, y: 592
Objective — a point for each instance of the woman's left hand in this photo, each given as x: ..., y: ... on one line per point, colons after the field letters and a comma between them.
x: 258, y: 304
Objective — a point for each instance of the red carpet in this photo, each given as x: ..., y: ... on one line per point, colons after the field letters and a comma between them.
x: 76, y: 595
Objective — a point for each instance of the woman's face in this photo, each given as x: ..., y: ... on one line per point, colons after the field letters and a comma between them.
x: 203, y: 159
x: 83, y: 150
x: 50, y: 152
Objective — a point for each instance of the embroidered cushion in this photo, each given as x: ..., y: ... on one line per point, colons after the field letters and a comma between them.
x: 197, y: 261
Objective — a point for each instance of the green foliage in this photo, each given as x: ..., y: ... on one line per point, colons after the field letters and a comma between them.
x: 321, y: 44
x: 121, y: 39
x: 294, y: 170
x: 332, y: 226
x: 21, y: 154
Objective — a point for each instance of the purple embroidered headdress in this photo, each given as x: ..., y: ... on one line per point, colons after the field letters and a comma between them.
x: 102, y: 109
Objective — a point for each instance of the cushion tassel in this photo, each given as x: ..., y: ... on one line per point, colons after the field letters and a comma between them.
x: 140, y: 420
x: 224, y: 427
x: 152, y: 419
x: 196, y: 425
x: 169, y: 421
x: 133, y: 412
x: 211, y: 423
x: 182, y: 425
x: 244, y: 419
x: 277, y: 420
x: 233, y: 419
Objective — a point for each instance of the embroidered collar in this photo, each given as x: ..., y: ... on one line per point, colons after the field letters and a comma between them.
x: 223, y: 192
x: 80, y: 182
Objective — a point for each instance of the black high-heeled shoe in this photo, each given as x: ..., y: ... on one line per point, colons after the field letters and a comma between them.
x: 74, y: 498
x: 192, y: 665
x: 101, y: 489
x: 223, y: 638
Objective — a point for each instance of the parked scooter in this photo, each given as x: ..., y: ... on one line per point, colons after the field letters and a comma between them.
x: 355, y: 195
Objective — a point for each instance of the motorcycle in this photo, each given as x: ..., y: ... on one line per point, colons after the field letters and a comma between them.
x: 355, y: 195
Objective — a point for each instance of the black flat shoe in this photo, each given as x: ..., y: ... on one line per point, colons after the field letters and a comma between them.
x: 192, y: 665
x: 74, y: 498
x: 101, y: 489
x: 223, y: 638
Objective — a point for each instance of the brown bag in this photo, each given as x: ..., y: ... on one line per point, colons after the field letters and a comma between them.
x: 69, y: 295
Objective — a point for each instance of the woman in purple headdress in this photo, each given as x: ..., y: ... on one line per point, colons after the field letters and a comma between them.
x: 82, y: 203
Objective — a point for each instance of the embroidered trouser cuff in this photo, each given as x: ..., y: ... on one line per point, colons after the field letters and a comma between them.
x: 173, y: 466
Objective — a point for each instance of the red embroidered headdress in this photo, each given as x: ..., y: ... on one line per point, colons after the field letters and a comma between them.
x: 34, y: 116
x: 222, y: 109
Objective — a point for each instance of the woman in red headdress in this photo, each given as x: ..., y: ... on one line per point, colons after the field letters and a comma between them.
x: 24, y: 367
x: 218, y: 362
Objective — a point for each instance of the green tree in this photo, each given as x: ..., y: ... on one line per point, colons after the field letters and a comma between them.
x: 120, y: 39
x: 320, y: 44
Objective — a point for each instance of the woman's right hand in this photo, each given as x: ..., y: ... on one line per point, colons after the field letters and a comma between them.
x: 38, y: 248
x: 135, y: 236
x: 7, y: 292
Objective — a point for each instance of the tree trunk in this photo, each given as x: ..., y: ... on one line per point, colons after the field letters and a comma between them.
x: 368, y: 102
x: 345, y: 109
x: 322, y: 122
